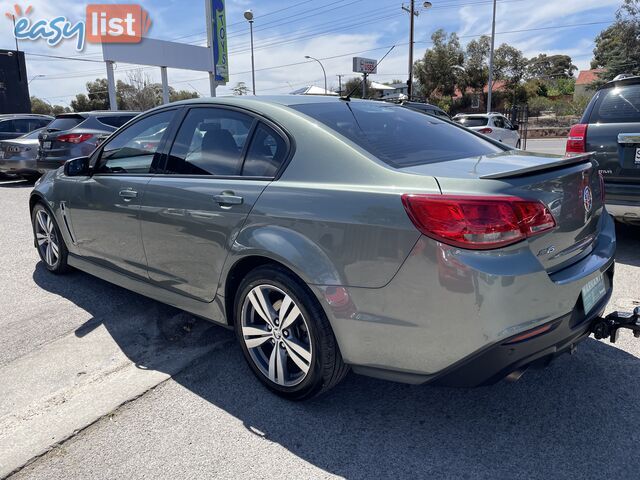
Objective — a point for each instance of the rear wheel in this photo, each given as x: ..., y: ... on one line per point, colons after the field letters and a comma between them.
x: 49, y: 242
x: 285, y: 335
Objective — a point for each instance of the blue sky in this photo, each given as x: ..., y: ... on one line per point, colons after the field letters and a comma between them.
x: 286, y: 31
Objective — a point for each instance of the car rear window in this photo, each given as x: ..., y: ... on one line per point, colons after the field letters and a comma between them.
x: 115, y: 120
x: 472, y: 121
x: 65, y: 123
x: 396, y: 135
x: 617, y: 105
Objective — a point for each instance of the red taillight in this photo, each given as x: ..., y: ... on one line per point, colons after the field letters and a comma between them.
x: 74, y: 137
x: 485, y: 131
x: 577, y: 140
x: 477, y: 223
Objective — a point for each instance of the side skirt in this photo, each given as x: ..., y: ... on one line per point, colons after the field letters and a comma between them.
x: 213, y: 311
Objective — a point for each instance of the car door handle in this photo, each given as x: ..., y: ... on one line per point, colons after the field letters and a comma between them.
x: 128, y: 194
x: 228, y: 199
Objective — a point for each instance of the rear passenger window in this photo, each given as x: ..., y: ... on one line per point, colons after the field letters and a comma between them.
x: 266, y: 153
x: 112, y: 121
x: 617, y: 105
x: 210, y: 142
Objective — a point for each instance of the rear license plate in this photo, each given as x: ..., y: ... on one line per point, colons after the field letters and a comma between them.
x: 46, y: 145
x: 637, y: 157
x: 592, y: 293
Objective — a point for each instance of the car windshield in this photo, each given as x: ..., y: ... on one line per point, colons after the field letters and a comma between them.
x: 396, y: 135
x: 617, y: 105
x: 472, y: 121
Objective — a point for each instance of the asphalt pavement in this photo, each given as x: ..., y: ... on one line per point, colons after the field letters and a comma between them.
x: 155, y: 393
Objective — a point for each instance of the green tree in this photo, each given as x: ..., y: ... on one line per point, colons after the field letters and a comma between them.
x: 476, y: 63
x: 177, y: 95
x: 435, y: 72
x: 511, y: 67
x: 618, y: 46
x: 551, y: 67
x: 240, y: 89
x: 40, y: 106
x: 353, y: 87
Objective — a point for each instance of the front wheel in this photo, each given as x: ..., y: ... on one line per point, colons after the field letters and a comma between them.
x: 49, y: 241
x: 285, y: 335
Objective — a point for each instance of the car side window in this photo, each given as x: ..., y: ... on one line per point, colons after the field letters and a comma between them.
x: 266, y: 153
x: 135, y: 149
x: 210, y: 142
x: 21, y: 125
x: 507, y: 124
x: 498, y: 122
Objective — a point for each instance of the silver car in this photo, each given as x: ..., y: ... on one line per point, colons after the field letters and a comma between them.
x: 334, y: 234
x: 18, y: 156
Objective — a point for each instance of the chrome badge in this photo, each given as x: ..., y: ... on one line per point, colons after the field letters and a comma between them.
x: 587, y: 199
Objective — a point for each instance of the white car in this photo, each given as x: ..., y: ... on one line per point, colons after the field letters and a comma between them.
x: 493, y: 125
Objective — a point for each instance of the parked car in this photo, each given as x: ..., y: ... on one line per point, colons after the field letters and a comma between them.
x: 493, y: 125
x: 426, y: 108
x: 73, y: 135
x: 18, y: 156
x: 336, y: 233
x: 610, y: 128
x: 16, y: 125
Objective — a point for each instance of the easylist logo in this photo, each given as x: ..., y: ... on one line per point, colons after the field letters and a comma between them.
x: 116, y: 23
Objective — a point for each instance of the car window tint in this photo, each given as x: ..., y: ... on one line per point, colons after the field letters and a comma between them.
x: 210, y: 142
x: 498, y: 122
x: 135, y: 149
x: 507, y: 123
x: 617, y: 105
x: 7, y: 126
x: 65, y: 123
x: 472, y: 121
x: 38, y: 123
x: 111, y: 121
x: 266, y: 153
x: 396, y: 135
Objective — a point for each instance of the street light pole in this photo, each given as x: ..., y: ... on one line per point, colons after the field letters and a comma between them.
x: 323, y: 71
x: 34, y: 77
x: 493, y: 36
x: 248, y: 15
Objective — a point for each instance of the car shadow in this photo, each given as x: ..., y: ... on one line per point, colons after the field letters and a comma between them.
x: 574, y: 419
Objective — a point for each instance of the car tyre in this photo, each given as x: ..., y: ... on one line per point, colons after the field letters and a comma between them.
x: 48, y: 240
x: 295, y: 356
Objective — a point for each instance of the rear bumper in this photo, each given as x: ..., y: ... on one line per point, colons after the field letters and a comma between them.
x: 448, y: 307
x: 19, y: 166
x: 623, y: 200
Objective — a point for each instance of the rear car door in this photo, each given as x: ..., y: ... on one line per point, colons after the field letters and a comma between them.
x: 192, y: 212
x: 103, y: 209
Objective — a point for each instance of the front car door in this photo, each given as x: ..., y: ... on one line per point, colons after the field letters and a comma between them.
x: 219, y: 164
x: 103, y: 209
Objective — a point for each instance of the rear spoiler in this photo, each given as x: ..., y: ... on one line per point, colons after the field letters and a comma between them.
x: 559, y: 163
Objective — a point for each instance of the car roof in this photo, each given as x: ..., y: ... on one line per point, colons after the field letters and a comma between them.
x: 6, y: 116
x: 633, y: 80
x: 93, y: 113
x: 286, y: 100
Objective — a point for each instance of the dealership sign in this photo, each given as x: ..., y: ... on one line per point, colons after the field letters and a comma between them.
x: 365, y: 65
x: 219, y: 29
x: 110, y: 23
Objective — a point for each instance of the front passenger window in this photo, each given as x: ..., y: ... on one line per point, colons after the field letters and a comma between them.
x: 135, y: 149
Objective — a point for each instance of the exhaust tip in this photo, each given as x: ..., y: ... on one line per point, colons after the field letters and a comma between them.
x: 515, y: 375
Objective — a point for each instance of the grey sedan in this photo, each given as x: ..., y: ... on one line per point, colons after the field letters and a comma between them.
x: 18, y: 156
x: 336, y: 234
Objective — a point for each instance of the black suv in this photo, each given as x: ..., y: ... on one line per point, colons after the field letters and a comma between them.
x: 16, y: 125
x: 73, y: 135
x: 610, y: 127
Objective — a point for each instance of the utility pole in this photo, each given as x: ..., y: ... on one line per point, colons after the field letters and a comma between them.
x: 493, y: 37
x: 412, y: 13
x: 364, y: 85
x: 340, y: 83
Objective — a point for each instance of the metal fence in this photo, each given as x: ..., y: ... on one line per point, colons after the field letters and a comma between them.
x: 519, y: 114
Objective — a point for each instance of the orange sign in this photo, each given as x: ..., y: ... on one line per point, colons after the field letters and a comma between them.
x: 120, y: 23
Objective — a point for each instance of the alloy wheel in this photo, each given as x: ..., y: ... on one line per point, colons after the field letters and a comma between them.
x: 276, y: 335
x: 47, y: 238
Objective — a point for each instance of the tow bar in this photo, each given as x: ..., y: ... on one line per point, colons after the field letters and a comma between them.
x: 609, y: 326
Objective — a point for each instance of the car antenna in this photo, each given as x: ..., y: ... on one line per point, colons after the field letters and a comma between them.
x: 347, y: 97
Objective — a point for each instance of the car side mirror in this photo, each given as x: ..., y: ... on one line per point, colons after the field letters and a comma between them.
x: 77, y: 167
x: 515, y: 127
